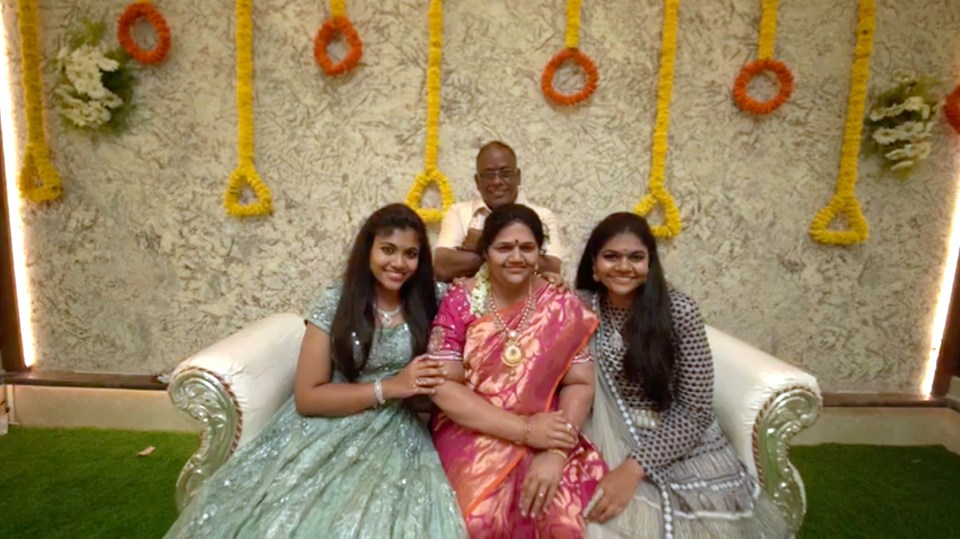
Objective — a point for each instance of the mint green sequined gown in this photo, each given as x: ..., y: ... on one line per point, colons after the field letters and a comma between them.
x: 371, y: 474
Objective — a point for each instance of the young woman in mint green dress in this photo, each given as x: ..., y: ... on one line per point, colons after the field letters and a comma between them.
x: 346, y: 455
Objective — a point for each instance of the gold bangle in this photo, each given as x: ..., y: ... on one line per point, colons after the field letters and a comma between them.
x: 526, y: 431
x: 559, y: 452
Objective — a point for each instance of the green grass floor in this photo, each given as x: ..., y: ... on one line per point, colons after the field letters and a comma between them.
x: 81, y: 483
x: 874, y: 491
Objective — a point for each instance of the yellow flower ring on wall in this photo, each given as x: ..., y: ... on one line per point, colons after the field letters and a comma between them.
x: 142, y: 9
x: 573, y: 54
x: 951, y: 109
x: 38, y: 180
x: 430, y: 173
x: 845, y: 197
x: 764, y: 63
x: 658, y: 193
x: 338, y: 23
x: 245, y: 175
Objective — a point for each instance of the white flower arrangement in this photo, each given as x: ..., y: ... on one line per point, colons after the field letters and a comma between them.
x: 902, y: 123
x: 95, y: 83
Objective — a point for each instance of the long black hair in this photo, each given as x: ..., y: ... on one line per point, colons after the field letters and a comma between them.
x: 650, y: 356
x: 503, y: 216
x: 353, y: 324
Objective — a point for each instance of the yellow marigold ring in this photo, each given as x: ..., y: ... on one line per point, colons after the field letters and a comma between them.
x: 129, y: 17
x: 246, y: 176
x: 586, y: 64
x: 951, y: 109
x: 35, y: 168
x: 751, y: 70
x: 331, y: 27
x: 415, y: 196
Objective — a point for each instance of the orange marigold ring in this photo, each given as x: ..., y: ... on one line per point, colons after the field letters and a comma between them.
x: 751, y: 70
x: 129, y: 17
x: 585, y: 63
x: 951, y: 109
x: 331, y: 27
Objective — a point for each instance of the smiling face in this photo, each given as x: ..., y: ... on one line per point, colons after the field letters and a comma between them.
x: 622, y: 265
x: 512, y: 256
x: 498, y: 178
x: 394, y: 258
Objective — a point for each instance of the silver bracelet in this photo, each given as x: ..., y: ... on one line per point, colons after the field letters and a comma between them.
x: 378, y: 391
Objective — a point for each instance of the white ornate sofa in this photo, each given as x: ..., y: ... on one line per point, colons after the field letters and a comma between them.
x: 236, y: 385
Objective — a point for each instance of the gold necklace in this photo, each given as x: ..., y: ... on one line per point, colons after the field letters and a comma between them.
x: 512, y: 352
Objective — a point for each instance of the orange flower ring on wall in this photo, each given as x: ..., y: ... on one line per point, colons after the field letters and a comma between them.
x: 951, y: 109
x: 329, y: 30
x: 585, y: 63
x: 751, y: 70
x: 129, y: 17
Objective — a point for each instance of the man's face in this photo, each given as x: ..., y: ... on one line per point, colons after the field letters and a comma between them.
x: 498, y: 177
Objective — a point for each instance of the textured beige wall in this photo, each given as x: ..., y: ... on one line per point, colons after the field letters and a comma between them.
x: 137, y: 266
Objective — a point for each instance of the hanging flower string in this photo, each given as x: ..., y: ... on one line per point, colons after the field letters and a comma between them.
x: 338, y: 23
x: 245, y: 175
x: 38, y: 180
x: 430, y: 172
x: 658, y: 193
x: 845, y: 196
x: 142, y: 9
x: 951, y: 109
x: 764, y: 63
x: 573, y: 54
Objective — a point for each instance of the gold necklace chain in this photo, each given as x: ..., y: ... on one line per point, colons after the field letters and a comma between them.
x: 512, y: 351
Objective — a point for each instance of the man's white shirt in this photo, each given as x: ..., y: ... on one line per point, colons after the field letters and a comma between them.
x: 463, y: 216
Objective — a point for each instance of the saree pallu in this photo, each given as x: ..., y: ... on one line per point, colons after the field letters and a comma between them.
x: 487, y: 473
x: 705, y: 494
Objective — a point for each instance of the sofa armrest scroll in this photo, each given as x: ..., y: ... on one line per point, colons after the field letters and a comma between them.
x: 761, y: 402
x: 233, y: 388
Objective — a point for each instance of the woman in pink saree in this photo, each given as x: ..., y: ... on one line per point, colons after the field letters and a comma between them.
x: 520, y: 387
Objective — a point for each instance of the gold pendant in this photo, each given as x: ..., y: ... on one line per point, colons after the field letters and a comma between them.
x: 512, y: 355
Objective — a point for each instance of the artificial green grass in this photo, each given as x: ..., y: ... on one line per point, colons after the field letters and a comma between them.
x: 879, y: 491
x: 89, y: 482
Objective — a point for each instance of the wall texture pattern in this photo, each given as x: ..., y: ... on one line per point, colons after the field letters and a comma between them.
x: 137, y: 265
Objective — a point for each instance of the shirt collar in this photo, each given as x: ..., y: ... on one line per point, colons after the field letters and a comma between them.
x: 477, y: 203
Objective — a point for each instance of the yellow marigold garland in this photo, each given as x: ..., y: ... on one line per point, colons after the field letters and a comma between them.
x: 246, y: 173
x: 36, y: 159
x: 573, y: 54
x: 430, y: 172
x: 658, y: 193
x: 768, y: 29
x: 845, y: 197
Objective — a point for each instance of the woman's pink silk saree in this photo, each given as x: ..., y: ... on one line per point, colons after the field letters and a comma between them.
x: 487, y: 472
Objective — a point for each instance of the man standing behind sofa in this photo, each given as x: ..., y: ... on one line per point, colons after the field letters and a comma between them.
x: 498, y: 183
